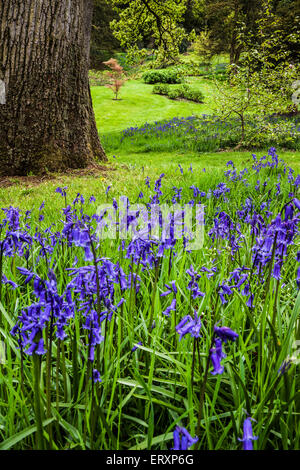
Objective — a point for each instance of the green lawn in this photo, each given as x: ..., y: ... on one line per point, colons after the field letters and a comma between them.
x: 138, y: 104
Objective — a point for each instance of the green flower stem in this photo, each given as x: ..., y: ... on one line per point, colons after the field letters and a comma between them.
x: 37, y: 401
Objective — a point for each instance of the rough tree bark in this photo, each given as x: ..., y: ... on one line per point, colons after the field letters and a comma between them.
x: 46, y: 116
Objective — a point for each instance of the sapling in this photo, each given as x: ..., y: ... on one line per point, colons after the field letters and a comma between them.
x: 115, y: 76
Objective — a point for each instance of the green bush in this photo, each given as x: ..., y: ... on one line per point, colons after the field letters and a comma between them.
x: 175, y: 93
x: 162, y: 76
x: 182, y: 91
x: 161, y: 89
x: 194, y: 95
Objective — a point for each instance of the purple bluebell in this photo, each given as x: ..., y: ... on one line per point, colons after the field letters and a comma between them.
x: 171, y: 308
x: 189, y: 325
x: 62, y: 191
x: 96, y: 376
x: 248, y: 435
x: 216, y: 361
x: 225, y: 333
x: 135, y: 347
x: 249, y: 302
x: 170, y: 289
x: 285, y: 366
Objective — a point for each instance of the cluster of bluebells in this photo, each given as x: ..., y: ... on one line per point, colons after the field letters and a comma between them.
x: 224, y: 228
x: 275, y: 238
x: 16, y: 239
x: 222, y: 334
x: 50, y: 309
x: 193, y: 285
x: 206, y: 132
x: 90, y: 293
x: 272, y: 240
x: 238, y: 280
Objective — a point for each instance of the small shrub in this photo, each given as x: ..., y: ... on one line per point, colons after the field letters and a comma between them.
x: 194, y: 95
x: 178, y: 92
x: 162, y: 76
x: 161, y: 89
x: 174, y: 93
x: 182, y: 91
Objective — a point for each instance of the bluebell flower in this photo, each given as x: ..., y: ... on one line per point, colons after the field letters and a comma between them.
x: 216, y: 361
x: 248, y: 435
x: 171, y: 308
x: 219, y: 348
x: 189, y: 325
x: 12, y: 284
x: 180, y: 168
x: 170, y: 289
x: 61, y: 191
x: 285, y: 366
x: 297, y: 203
x: 135, y: 347
x: 298, y: 278
x: 225, y: 333
x: 96, y: 376
x: 249, y: 302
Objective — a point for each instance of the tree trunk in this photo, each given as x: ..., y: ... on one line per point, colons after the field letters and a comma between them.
x: 46, y: 116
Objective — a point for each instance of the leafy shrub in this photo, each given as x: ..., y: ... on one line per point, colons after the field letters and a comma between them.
x: 174, y: 93
x: 194, y: 95
x: 161, y: 89
x: 162, y: 76
x: 182, y: 91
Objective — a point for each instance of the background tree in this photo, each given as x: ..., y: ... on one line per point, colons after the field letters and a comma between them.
x: 103, y: 42
x: 288, y: 14
x: 272, y: 42
x: 228, y: 22
x: 149, y: 18
x: 194, y: 17
x: 47, y: 121
x: 204, y: 46
x: 259, y: 93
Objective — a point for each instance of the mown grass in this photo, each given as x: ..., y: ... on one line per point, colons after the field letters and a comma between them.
x: 138, y: 104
